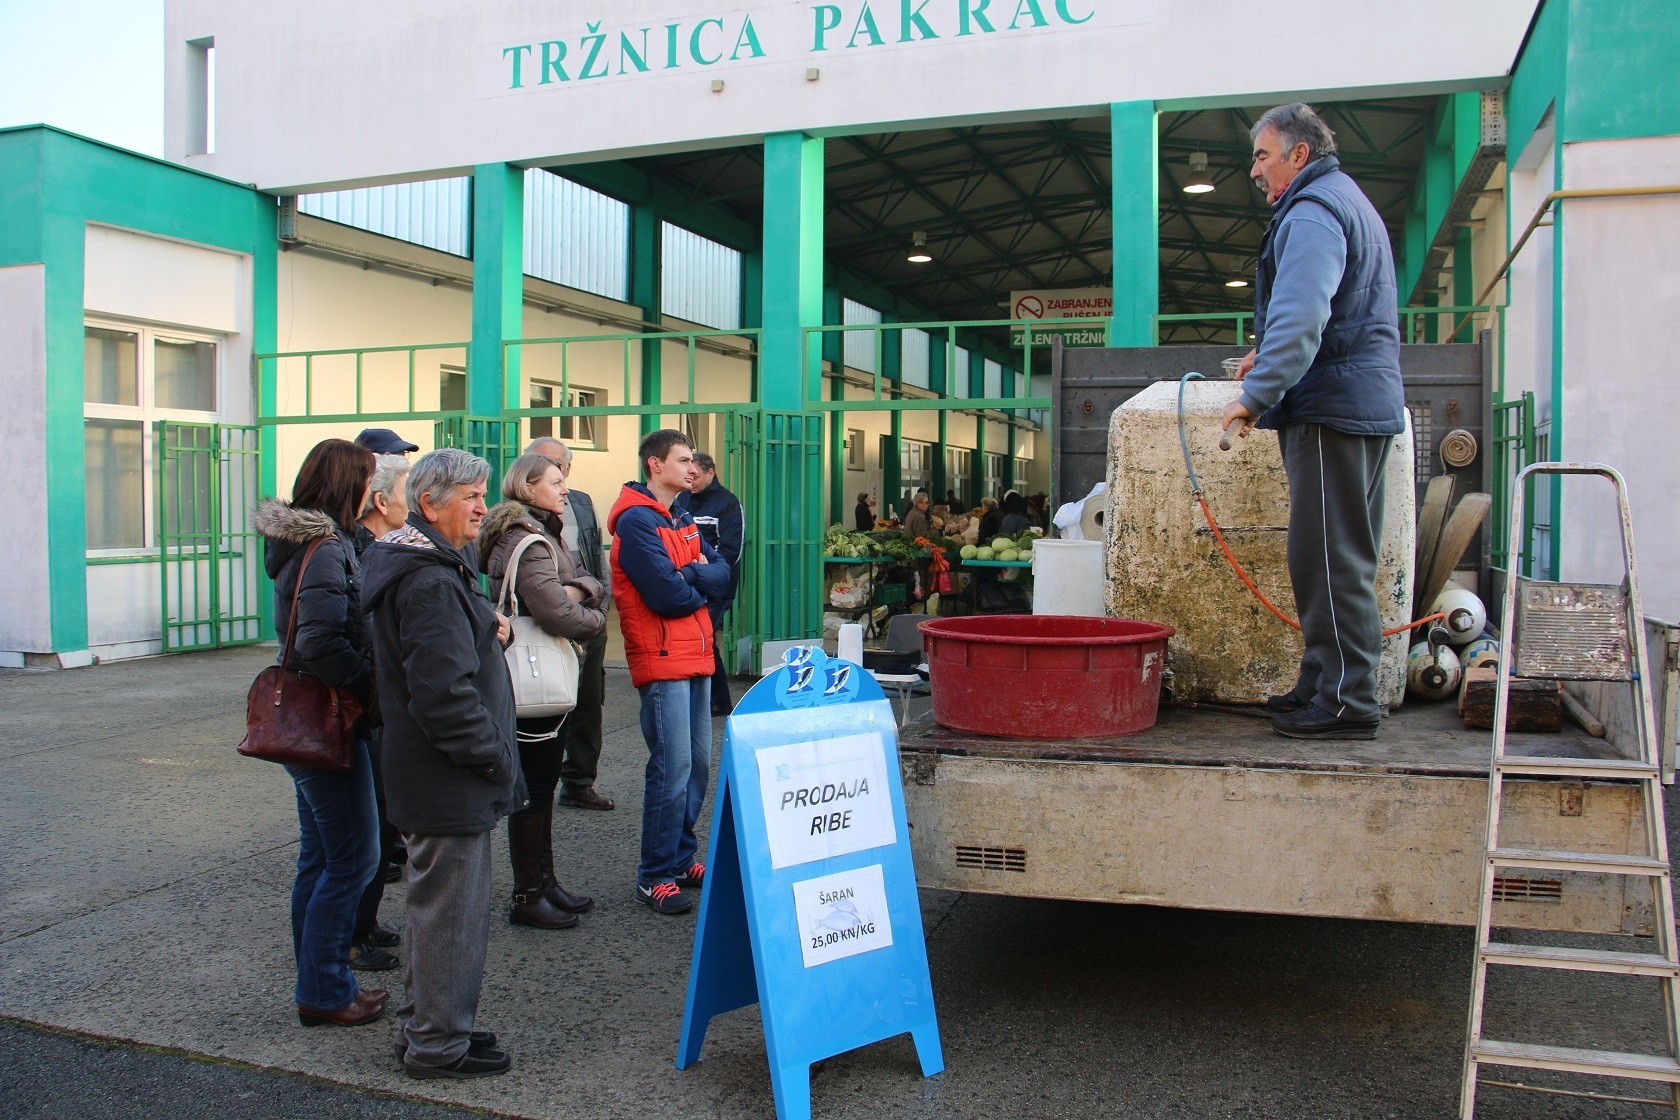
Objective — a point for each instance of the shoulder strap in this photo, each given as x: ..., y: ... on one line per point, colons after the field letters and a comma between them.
x: 511, y: 576
x: 297, y: 589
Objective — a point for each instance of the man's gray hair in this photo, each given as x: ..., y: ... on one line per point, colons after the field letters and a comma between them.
x: 539, y: 445
x: 440, y: 473
x: 388, y: 470
x: 1296, y: 123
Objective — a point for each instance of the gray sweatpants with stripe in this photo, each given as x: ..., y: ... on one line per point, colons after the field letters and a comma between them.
x: 1335, y: 528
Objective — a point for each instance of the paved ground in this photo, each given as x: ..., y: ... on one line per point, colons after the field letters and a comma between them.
x: 144, y: 871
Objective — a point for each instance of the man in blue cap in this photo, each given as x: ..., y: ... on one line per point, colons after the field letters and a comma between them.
x: 383, y: 441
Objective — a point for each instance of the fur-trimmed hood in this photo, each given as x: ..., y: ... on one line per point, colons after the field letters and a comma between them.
x: 288, y: 530
x: 283, y: 521
x: 501, y: 519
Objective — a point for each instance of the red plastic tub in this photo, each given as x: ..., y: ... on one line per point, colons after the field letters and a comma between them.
x: 1025, y: 676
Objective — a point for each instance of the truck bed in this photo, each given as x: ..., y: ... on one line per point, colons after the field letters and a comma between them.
x: 1424, y: 739
x: 1212, y: 810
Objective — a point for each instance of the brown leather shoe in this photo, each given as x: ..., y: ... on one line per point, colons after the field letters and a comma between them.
x: 532, y: 908
x: 368, y: 1005
x: 585, y: 797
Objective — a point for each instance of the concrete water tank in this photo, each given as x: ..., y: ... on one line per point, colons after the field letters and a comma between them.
x: 1163, y: 564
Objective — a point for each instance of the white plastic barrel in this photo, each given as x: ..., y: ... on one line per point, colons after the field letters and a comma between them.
x: 1068, y: 578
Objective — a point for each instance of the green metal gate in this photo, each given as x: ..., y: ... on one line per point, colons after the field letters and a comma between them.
x: 210, y: 557
x: 491, y: 438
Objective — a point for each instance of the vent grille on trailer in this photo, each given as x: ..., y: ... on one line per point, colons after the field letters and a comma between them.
x: 991, y: 859
x: 1527, y: 890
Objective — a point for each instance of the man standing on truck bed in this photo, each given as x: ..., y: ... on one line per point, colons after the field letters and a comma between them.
x: 1325, y: 372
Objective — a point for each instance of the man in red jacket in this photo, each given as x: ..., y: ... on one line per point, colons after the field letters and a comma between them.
x: 663, y: 574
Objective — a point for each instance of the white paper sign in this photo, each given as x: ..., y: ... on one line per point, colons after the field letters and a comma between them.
x: 825, y: 798
x: 842, y: 915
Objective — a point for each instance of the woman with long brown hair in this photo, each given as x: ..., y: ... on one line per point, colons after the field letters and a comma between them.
x: 338, y: 821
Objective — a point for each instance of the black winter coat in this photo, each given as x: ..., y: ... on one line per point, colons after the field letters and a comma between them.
x: 332, y: 639
x: 449, y: 758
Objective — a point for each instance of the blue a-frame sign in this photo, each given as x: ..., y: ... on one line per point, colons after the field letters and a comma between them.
x: 810, y: 907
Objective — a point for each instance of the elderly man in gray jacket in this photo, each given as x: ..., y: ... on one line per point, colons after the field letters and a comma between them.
x: 1325, y: 372
x: 449, y: 761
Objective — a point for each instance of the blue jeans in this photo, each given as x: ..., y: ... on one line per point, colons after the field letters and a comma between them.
x: 338, y: 853
x: 677, y: 724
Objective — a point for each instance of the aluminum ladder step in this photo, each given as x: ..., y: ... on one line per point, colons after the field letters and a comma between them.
x: 1608, y: 768
x: 1568, y: 1059
x: 1581, y: 960
x: 1588, y: 862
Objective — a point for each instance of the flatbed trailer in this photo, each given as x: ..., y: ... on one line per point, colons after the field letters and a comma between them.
x: 1212, y: 810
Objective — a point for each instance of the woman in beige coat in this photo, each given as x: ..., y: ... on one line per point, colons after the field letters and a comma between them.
x: 568, y: 603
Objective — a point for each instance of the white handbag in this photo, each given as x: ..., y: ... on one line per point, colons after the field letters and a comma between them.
x: 544, y: 668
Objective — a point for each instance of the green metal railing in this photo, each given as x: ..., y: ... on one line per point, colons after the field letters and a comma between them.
x: 359, y: 363
x: 881, y: 398
x: 1512, y: 448
x: 640, y: 377
x: 211, y: 577
x: 1417, y: 324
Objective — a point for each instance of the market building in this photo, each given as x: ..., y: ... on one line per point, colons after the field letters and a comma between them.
x: 812, y: 235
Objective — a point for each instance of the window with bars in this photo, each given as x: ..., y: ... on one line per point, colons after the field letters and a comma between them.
x: 133, y: 376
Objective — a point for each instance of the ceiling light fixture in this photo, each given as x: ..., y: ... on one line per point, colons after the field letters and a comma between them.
x: 918, y: 248
x: 1199, y: 181
x: 1236, y: 280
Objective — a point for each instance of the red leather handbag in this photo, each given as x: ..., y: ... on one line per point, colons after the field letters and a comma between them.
x: 296, y: 718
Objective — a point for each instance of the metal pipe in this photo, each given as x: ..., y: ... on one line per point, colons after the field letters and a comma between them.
x: 1537, y: 222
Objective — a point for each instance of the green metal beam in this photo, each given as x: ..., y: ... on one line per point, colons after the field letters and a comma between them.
x: 498, y: 290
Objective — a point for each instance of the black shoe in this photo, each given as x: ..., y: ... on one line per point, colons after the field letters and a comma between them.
x: 370, y: 958
x: 664, y: 898
x: 479, y: 1041
x: 484, y: 1061
x: 1285, y: 704
x: 1313, y: 722
x: 391, y: 873
x: 380, y: 937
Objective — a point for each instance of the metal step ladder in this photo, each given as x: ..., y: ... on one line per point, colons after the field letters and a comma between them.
x: 1577, y: 632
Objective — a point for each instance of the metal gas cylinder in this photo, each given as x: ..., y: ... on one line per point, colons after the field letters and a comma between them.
x: 1433, y: 672
x: 1466, y: 615
x: 1482, y: 651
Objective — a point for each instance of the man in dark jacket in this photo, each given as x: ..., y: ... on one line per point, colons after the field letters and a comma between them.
x: 663, y: 574
x: 450, y: 767
x: 1325, y: 372
x: 723, y: 526
x: 582, y: 731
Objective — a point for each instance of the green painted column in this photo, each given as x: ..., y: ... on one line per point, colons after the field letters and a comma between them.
x: 1010, y: 482
x: 832, y: 347
x: 1136, y: 206
x: 647, y: 255
x: 498, y: 245
x: 265, y: 320
x: 793, y: 268
x: 62, y: 251
x: 936, y: 384
x: 977, y: 388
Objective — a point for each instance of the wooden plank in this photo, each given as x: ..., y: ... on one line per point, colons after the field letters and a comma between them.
x: 1533, y: 706
x: 1437, y: 499
x: 1459, y: 531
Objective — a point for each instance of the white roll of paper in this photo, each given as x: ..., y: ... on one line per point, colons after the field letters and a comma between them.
x: 851, y: 643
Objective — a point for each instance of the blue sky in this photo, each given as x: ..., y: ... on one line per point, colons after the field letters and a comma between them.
x: 88, y: 66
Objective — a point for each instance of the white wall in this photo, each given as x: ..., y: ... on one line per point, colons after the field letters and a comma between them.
x: 1621, y: 391
x: 158, y: 281
x: 293, y: 104
x: 25, y: 609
